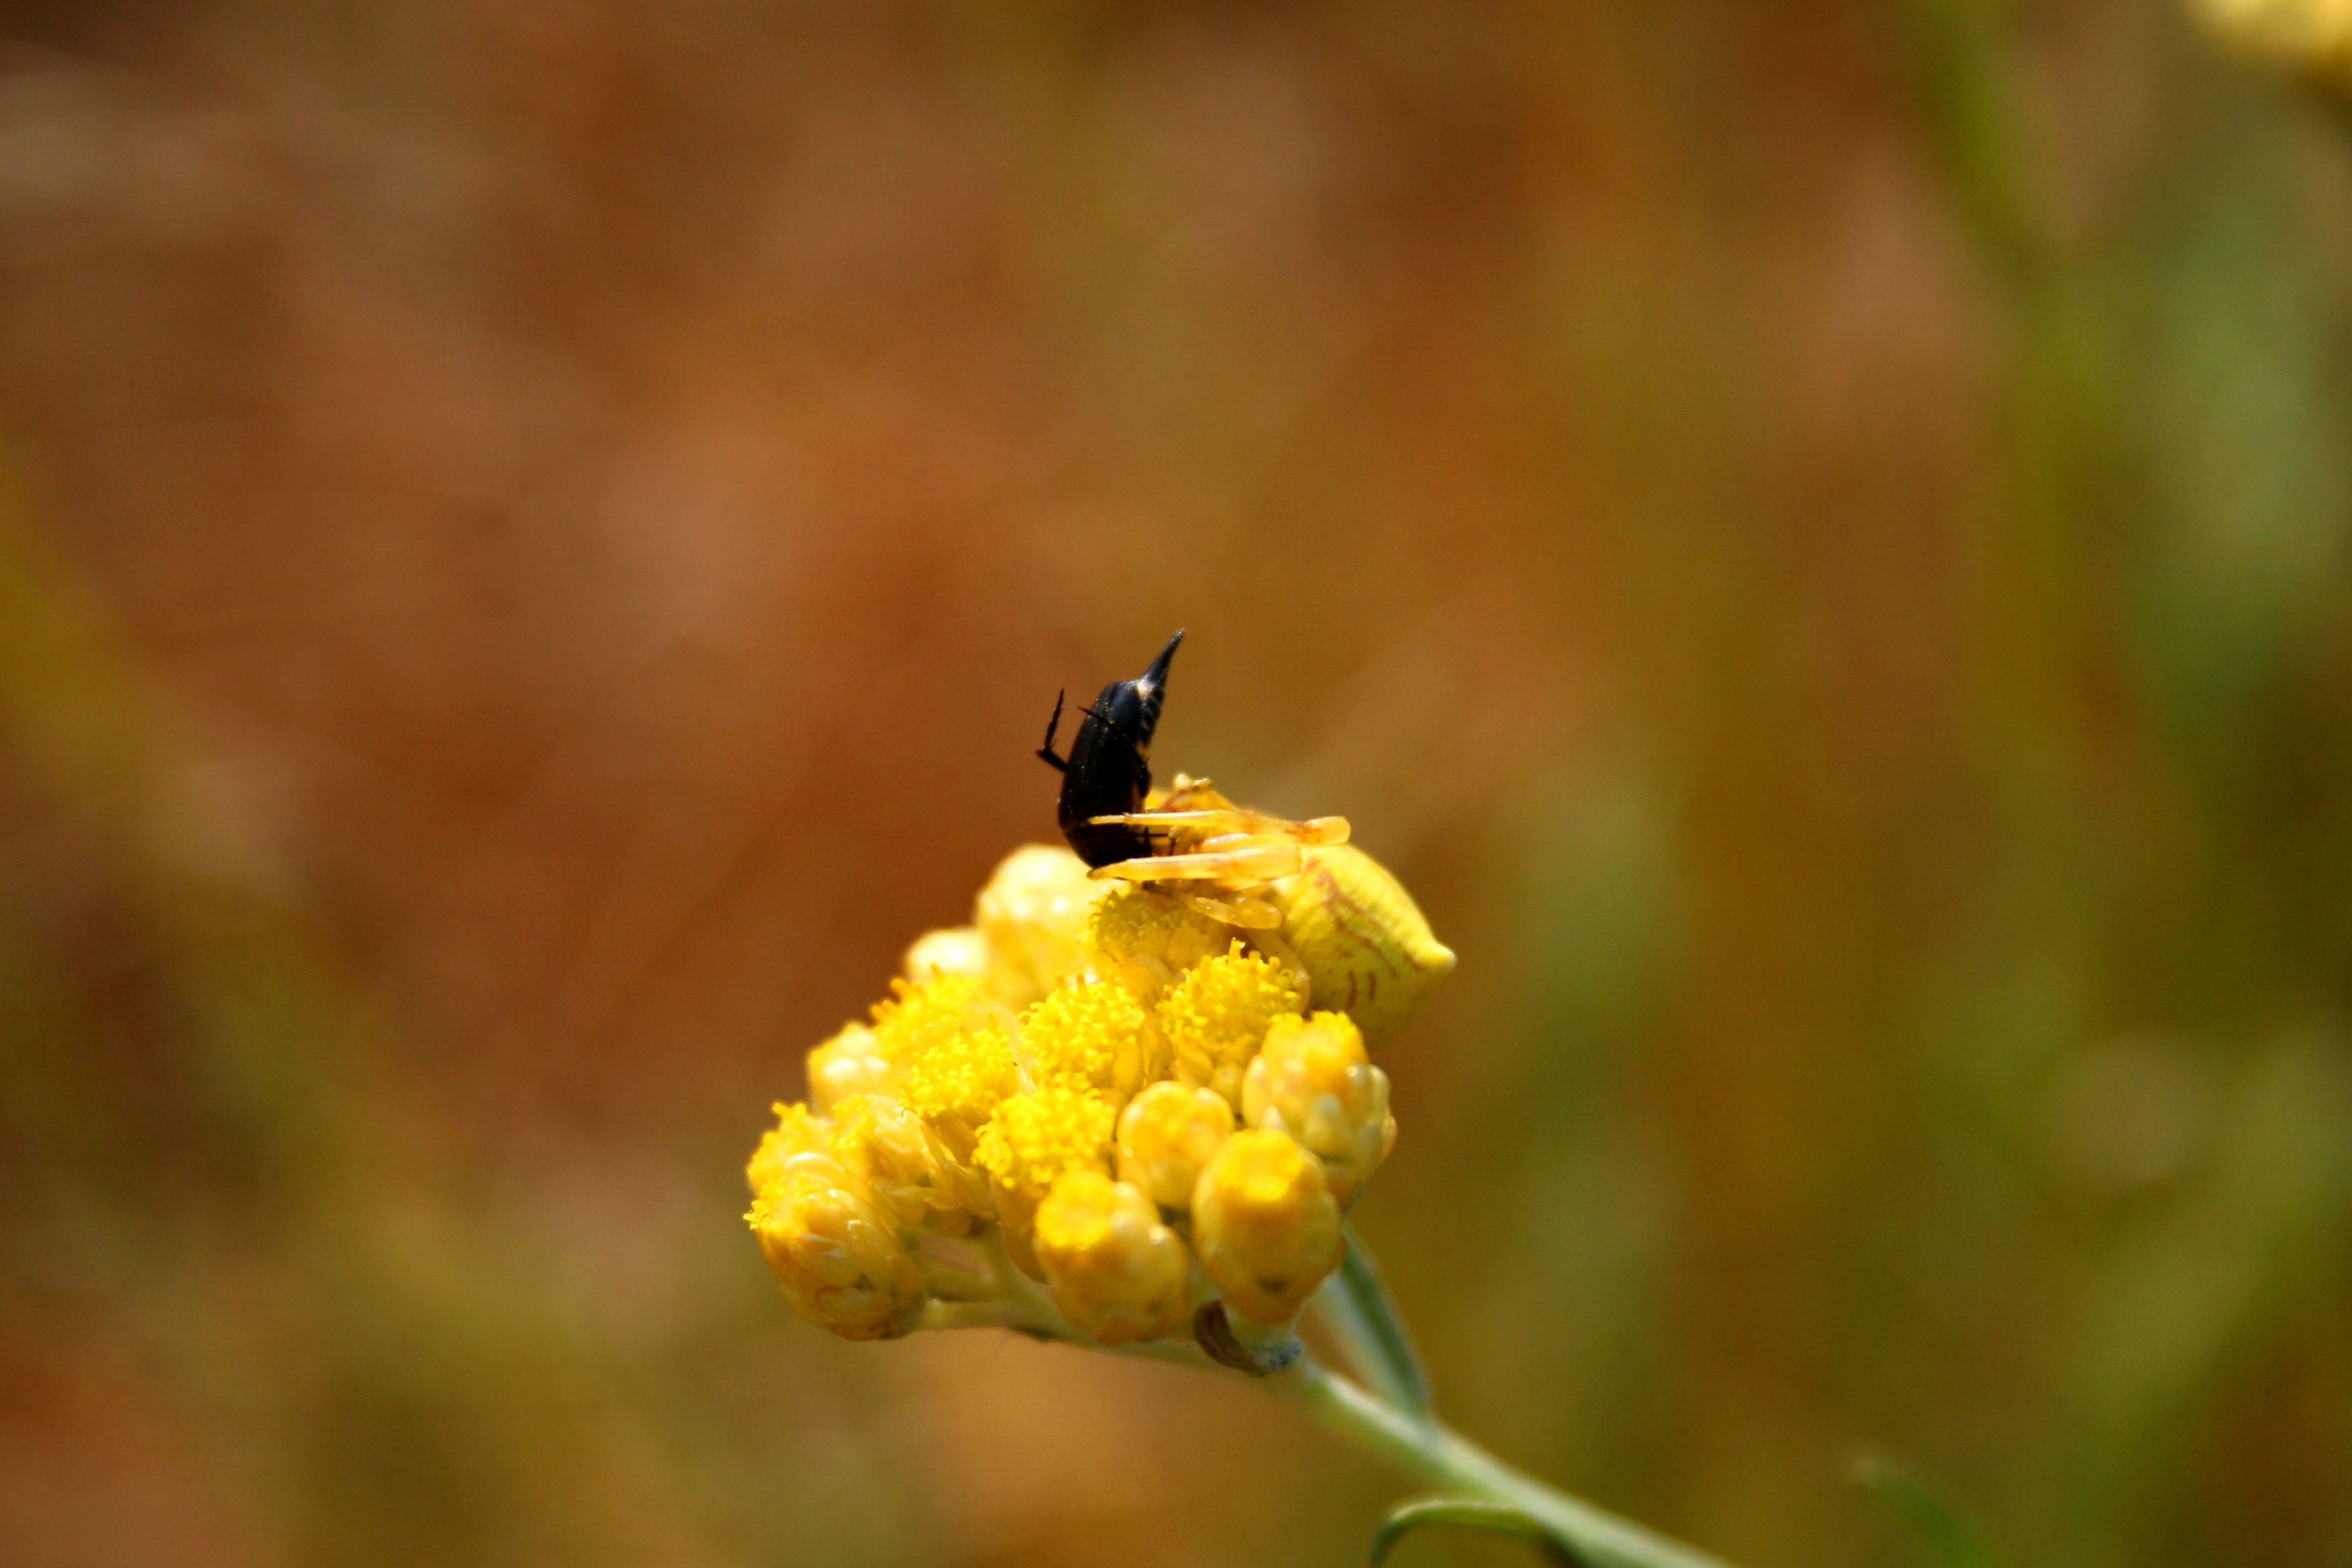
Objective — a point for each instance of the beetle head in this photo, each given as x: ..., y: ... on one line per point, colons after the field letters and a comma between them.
x: 1132, y: 707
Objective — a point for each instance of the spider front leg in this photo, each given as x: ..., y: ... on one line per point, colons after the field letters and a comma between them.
x: 1224, y: 863
x: 1234, y: 822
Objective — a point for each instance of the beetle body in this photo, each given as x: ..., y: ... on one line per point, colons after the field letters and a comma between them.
x: 1192, y: 844
x: 1108, y: 771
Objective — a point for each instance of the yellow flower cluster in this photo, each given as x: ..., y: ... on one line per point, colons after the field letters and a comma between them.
x: 1134, y: 1105
x: 2312, y: 37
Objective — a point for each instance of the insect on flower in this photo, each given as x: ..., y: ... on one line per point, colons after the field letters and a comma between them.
x: 1186, y: 843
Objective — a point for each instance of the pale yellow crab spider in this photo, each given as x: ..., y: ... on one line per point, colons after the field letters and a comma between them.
x: 1212, y: 841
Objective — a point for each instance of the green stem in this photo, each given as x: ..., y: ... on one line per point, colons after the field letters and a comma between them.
x: 1354, y: 1309
x: 1402, y: 1429
x: 1452, y: 1463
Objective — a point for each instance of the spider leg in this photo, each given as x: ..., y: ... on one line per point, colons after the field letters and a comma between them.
x: 1254, y: 914
x: 1252, y: 864
x: 1314, y: 830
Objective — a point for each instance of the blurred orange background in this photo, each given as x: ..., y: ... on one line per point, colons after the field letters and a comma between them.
x: 539, y: 540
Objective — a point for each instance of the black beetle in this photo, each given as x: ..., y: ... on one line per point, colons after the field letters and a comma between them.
x: 1108, y: 771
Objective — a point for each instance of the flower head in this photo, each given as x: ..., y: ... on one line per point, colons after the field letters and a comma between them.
x: 1035, y: 1137
x: 1056, y: 1087
x: 951, y: 1043
x: 911, y: 1175
x: 1032, y: 1142
x: 1146, y: 942
x: 1217, y: 1013
x: 1090, y: 1034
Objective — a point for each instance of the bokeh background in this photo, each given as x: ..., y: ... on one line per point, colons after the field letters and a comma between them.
x: 536, y: 541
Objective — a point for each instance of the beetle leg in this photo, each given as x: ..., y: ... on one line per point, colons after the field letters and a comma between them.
x: 1046, y: 752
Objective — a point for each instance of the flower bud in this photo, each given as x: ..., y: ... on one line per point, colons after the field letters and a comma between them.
x: 1032, y: 912
x: 1114, y: 1269
x: 796, y: 1132
x: 1311, y: 1081
x: 1264, y: 1224
x: 850, y: 1063
x: 1166, y: 1136
x: 958, y: 950
x: 838, y: 1259
x: 1365, y: 945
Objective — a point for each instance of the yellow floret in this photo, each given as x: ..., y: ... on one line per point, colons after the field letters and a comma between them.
x: 839, y: 1258
x: 1090, y: 1034
x: 1032, y: 912
x: 1216, y: 1016
x: 910, y: 1176
x: 796, y: 1132
x: 951, y: 1044
x: 1034, y: 1137
x: 1167, y: 1135
x: 1311, y: 1081
x: 850, y: 1063
x: 920, y: 1017
x: 1114, y: 1269
x: 1028, y: 1144
x: 1264, y: 1225
x: 1145, y: 941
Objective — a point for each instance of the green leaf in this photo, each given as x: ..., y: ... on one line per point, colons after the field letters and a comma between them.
x: 1950, y: 1539
x: 1500, y: 1519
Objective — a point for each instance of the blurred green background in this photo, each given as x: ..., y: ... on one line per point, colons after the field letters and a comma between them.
x: 537, y: 541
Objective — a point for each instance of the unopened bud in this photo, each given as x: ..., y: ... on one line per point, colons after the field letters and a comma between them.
x: 850, y: 1063
x: 1264, y: 1224
x: 1114, y: 1269
x: 958, y: 950
x: 1311, y: 1081
x: 837, y: 1258
x: 1167, y: 1136
x: 1032, y: 912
